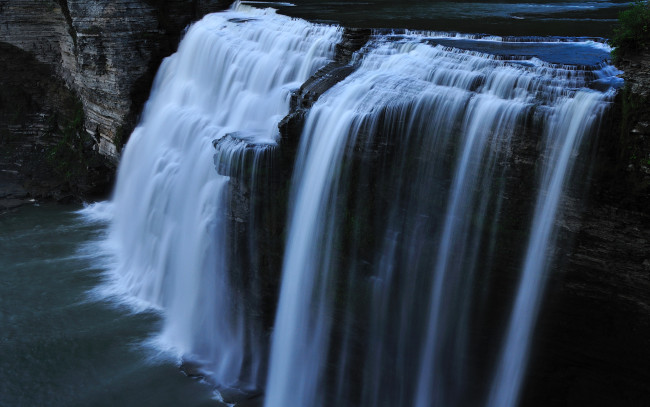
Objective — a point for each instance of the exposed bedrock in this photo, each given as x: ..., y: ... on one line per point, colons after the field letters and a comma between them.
x: 104, y: 54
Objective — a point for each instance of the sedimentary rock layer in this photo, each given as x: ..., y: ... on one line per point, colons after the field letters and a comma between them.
x: 104, y: 53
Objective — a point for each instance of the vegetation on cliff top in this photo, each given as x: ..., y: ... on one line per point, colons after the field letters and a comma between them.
x: 633, y: 31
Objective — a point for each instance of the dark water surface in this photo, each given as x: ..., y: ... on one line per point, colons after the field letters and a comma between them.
x: 498, y: 17
x: 58, y: 347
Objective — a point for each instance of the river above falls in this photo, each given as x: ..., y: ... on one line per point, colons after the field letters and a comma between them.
x: 498, y: 17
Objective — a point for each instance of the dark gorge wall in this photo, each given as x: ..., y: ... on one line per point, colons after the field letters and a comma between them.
x: 76, y: 75
x: 594, y: 332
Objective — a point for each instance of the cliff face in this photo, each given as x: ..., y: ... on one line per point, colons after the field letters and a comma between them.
x: 632, y: 149
x: 103, y: 54
x: 594, y: 332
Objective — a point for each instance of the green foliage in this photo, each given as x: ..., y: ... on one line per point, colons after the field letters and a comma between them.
x: 632, y: 150
x: 66, y: 156
x: 633, y: 31
x: 120, y: 138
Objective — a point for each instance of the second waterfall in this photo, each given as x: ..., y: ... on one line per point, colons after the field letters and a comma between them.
x: 413, y: 215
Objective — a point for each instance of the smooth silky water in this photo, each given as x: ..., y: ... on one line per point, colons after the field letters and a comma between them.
x: 378, y: 315
x: 389, y: 316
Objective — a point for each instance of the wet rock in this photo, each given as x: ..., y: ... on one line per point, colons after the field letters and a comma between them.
x: 594, y: 329
x: 302, y: 100
x: 256, y: 401
x: 353, y: 40
x: 624, y: 148
x: 191, y: 369
x: 258, y: 189
x: 11, y: 203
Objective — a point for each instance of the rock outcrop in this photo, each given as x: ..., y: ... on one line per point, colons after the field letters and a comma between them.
x: 629, y: 153
x: 102, y: 54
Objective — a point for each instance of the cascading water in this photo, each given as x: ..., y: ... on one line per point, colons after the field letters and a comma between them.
x: 402, y: 218
x: 575, y: 117
x: 232, y: 75
x: 414, y: 265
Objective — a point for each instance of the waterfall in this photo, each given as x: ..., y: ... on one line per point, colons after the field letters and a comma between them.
x: 422, y: 214
x: 403, y: 241
x: 229, y: 81
x: 574, y: 119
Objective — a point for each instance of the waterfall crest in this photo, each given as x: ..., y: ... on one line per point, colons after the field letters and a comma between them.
x: 230, y: 79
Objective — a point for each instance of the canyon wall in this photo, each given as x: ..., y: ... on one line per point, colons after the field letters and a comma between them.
x: 84, y: 68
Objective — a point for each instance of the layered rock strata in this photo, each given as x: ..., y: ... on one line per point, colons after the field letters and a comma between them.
x: 105, y: 54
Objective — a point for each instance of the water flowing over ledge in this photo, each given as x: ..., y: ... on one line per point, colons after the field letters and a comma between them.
x: 232, y: 74
x: 419, y: 247
x: 410, y: 277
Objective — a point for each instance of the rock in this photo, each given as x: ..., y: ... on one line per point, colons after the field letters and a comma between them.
x: 191, y: 369
x: 11, y: 203
x: 624, y: 157
x: 258, y: 190
x: 593, y: 330
x: 101, y: 56
x: 595, y: 324
x: 61, y: 56
x: 257, y: 401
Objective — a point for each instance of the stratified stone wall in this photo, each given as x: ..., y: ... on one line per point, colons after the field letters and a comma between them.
x: 105, y: 52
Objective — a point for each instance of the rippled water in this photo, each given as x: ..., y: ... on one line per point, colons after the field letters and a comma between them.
x: 59, y: 346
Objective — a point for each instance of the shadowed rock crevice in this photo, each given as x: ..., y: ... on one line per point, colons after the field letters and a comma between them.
x: 45, y: 153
